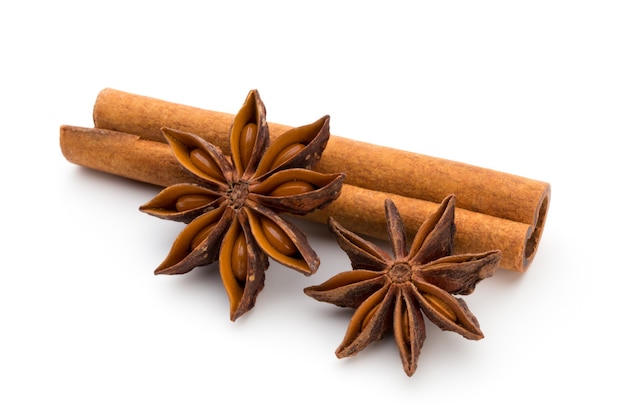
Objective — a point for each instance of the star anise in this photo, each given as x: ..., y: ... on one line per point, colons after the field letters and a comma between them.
x: 233, y: 211
x: 392, y: 292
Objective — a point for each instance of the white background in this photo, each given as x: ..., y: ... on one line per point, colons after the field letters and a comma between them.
x: 534, y: 88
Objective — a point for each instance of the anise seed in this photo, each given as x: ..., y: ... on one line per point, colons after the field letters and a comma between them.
x: 191, y: 201
x: 205, y: 163
x: 246, y: 142
x: 368, y: 316
x: 277, y: 238
x: 200, y: 236
x: 441, y: 307
x: 292, y: 188
x: 286, y: 154
x: 239, y: 258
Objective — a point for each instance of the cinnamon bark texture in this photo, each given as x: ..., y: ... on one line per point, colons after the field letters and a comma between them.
x: 381, y: 169
x: 357, y: 208
x: 368, y: 166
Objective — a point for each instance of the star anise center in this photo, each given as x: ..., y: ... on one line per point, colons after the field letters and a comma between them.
x: 237, y: 194
x: 400, y: 272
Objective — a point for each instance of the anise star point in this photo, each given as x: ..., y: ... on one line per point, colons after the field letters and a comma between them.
x: 396, y: 292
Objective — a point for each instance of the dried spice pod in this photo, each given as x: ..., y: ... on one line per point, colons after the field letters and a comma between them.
x: 296, y: 190
x: 182, y: 202
x: 298, y: 147
x: 394, y: 292
x: 198, y: 243
x: 233, y: 207
x: 249, y: 136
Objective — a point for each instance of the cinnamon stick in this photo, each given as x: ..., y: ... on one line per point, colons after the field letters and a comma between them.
x: 368, y: 166
x: 357, y: 208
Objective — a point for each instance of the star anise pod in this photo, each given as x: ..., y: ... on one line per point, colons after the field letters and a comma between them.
x: 233, y: 211
x: 392, y: 292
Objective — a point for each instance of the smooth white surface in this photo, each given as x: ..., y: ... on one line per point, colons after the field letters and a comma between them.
x: 534, y: 88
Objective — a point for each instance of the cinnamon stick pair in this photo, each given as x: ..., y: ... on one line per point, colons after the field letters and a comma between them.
x: 495, y: 210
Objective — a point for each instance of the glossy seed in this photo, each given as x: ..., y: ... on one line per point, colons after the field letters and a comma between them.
x: 192, y: 201
x: 277, y: 238
x: 246, y: 143
x: 368, y: 317
x: 239, y: 258
x: 441, y: 307
x: 200, y: 236
x: 292, y: 188
x: 201, y: 160
x: 406, y: 330
x: 286, y: 154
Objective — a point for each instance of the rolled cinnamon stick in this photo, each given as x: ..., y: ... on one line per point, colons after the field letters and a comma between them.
x: 368, y: 166
x: 357, y: 208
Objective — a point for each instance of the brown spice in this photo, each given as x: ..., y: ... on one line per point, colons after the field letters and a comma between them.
x: 232, y: 207
x: 391, y: 292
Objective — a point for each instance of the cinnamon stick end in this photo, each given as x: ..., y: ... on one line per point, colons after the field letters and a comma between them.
x: 532, y: 243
